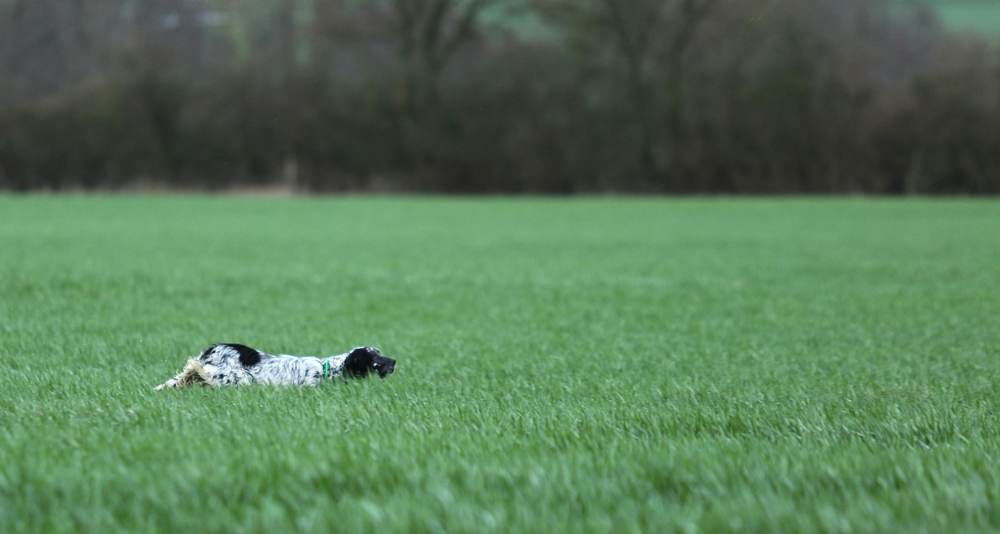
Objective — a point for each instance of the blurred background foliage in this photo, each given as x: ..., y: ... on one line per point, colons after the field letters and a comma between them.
x: 556, y: 96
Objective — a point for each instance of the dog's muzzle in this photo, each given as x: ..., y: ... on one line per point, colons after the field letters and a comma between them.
x: 384, y: 366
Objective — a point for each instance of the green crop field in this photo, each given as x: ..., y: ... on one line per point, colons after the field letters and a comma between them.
x: 564, y: 365
x: 977, y: 15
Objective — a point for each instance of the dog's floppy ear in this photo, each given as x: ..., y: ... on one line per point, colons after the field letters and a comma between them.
x: 359, y: 362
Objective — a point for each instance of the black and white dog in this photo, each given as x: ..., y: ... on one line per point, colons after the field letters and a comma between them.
x: 231, y: 364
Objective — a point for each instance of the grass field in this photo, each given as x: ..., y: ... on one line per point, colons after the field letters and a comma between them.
x: 977, y: 15
x: 591, y: 364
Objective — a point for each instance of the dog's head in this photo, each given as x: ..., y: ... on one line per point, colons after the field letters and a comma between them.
x: 364, y: 360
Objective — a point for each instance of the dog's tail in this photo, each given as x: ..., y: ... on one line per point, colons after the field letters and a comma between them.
x: 193, y: 373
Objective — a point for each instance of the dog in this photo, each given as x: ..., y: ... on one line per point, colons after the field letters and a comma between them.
x: 232, y: 364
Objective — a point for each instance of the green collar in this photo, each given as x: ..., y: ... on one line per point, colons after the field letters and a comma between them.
x: 326, y: 369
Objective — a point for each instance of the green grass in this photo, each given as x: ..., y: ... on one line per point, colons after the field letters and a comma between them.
x: 592, y: 364
x: 977, y: 15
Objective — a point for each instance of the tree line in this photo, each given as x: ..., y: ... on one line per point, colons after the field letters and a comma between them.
x: 553, y: 96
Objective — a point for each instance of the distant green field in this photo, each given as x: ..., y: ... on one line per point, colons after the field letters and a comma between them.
x: 564, y: 365
x: 977, y: 15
